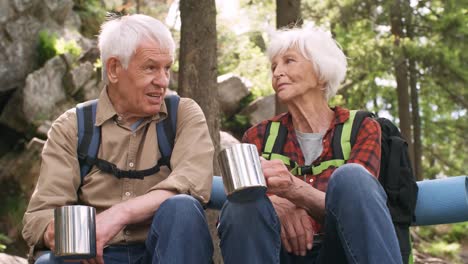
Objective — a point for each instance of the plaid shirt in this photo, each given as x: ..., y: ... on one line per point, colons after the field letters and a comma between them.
x: 366, y: 149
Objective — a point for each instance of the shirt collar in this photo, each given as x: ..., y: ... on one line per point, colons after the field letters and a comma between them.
x: 341, y: 115
x: 105, y: 110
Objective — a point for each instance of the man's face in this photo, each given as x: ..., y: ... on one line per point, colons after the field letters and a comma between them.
x: 139, y: 89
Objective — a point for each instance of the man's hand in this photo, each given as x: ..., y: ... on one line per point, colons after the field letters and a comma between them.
x: 49, y: 236
x: 108, y: 224
x: 296, y: 226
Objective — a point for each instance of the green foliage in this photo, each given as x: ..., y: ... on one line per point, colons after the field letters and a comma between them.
x: 242, y: 51
x: 4, y: 240
x: 238, y: 124
x: 442, y: 249
x: 50, y: 45
x: 437, y: 47
x: 46, y: 47
x: 443, y: 240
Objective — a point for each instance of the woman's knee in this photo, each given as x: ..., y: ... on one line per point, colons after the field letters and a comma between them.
x: 352, y: 180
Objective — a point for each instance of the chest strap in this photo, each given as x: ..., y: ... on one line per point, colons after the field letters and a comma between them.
x: 275, y: 138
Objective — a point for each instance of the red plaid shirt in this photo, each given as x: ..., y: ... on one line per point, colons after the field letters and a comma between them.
x: 366, y: 149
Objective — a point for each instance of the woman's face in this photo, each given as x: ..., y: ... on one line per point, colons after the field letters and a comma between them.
x: 293, y: 75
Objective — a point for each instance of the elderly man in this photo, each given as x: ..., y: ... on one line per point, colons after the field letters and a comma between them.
x: 157, y: 219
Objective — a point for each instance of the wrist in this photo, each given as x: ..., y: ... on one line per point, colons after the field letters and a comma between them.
x: 296, y: 191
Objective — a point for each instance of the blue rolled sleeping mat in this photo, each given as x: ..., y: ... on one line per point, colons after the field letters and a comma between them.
x: 440, y: 201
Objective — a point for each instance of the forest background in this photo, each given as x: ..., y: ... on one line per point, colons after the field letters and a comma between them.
x: 406, y: 62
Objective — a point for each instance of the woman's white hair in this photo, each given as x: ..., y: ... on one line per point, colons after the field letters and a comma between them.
x: 120, y: 38
x: 318, y: 47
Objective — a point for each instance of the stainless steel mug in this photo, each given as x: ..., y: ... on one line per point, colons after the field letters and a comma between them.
x: 75, y: 231
x: 241, y: 168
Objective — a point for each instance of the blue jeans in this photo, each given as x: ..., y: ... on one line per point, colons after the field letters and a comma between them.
x: 358, y: 226
x: 178, y: 234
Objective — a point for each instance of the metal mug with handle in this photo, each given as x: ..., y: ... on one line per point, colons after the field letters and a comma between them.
x: 75, y: 232
x: 242, y: 171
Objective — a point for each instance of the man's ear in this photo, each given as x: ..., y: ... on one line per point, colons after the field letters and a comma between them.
x: 113, y: 67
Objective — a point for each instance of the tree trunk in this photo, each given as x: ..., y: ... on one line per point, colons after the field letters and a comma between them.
x: 401, y: 74
x: 416, y: 118
x: 198, y: 77
x: 198, y: 69
x: 288, y: 14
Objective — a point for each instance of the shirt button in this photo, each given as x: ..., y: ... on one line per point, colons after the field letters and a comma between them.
x: 119, y: 118
x: 311, y: 180
x: 127, y: 232
x: 131, y: 164
x: 127, y: 193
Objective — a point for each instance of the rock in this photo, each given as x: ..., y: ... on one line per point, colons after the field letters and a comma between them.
x: 43, y: 129
x: 20, y: 23
x: 59, y: 9
x: 231, y: 90
x: 22, y: 5
x: 260, y: 109
x: 43, y: 90
x: 79, y: 76
x: 227, y: 140
x: 38, y: 99
x: 23, y: 167
x: 18, y: 51
x: 92, y: 89
x: 6, y: 10
x: 8, y: 259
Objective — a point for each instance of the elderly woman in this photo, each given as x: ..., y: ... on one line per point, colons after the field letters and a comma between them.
x: 335, y: 215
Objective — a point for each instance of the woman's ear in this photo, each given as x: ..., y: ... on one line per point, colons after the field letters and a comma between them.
x: 113, y: 67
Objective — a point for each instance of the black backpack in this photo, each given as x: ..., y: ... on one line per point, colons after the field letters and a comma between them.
x: 89, y: 140
x: 396, y: 173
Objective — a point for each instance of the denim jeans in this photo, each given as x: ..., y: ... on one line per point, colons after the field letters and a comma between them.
x: 178, y: 234
x: 358, y: 226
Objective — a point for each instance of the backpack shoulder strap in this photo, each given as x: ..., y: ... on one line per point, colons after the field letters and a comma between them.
x: 343, y: 141
x: 345, y: 134
x: 273, y: 143
x: 89, y: 135
x: 166, y: 130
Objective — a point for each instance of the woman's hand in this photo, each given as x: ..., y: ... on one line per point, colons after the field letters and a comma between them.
x: 296, y: 226
x: 279, y: 180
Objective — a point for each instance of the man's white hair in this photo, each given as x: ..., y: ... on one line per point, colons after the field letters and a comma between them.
x: 318, y: 47
x: 120, y: 38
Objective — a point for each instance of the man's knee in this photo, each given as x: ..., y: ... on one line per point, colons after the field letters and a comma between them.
x: 181, y: 202
x: 180, y: 208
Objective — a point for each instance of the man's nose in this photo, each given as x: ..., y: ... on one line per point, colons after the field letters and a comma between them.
x: 161, y: 79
